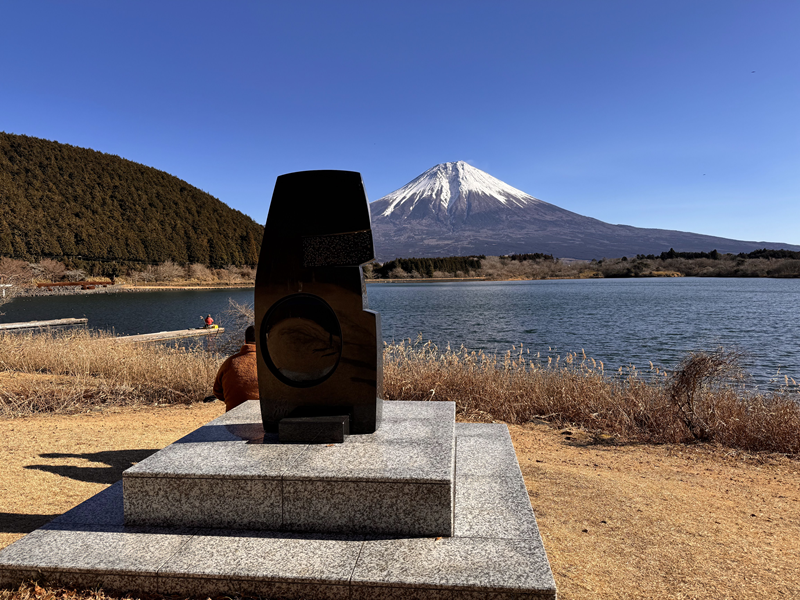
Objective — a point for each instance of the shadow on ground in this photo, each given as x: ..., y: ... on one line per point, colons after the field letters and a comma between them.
x: 19, y: 523
x: 116, y: 462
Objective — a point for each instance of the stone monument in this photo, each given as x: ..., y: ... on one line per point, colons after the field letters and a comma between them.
x: 413, y: 506
x: 319, y: 354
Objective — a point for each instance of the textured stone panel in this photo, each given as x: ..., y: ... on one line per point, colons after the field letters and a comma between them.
x: 496, y: 507
x: 192, y: 502
x: 485, y: 452
x: 369, y: 592
x: 486, y: 565
x: 405, y: 509
x: 267, y: 563
x: 291, y: 591
x: 219, y: 460
x: 120, y: 557
x: 392, y: 462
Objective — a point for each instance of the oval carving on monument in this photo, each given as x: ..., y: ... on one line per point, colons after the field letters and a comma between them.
x: 302, y: 339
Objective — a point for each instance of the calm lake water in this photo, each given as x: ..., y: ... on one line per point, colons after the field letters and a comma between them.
x: 618, y: 321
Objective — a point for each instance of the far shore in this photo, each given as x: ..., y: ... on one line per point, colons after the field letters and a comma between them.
x: 184, y: 286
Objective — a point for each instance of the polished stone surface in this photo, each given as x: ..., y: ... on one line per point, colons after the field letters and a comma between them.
x: 496, y: 552
x: 314, y: 430
x: 319, y: 348
x: 229, y: 474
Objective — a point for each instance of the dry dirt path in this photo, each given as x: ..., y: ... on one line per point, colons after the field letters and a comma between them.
x: 618, y: 521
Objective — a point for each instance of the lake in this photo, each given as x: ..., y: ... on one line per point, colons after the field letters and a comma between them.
x: 617, y: 321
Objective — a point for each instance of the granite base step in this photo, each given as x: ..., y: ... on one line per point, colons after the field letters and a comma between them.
x: 229, y: 474
x: 495, y: 551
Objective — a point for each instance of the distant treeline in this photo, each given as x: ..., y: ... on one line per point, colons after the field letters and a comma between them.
x: 104, y: 214
x: 714, y: 255
x: 426, y: 267
x: 537, y: 256
x: 759, y: 263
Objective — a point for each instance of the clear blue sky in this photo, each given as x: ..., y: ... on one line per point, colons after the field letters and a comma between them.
x: 675, y: 114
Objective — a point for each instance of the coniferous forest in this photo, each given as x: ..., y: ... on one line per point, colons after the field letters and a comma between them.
x: 103, y: 213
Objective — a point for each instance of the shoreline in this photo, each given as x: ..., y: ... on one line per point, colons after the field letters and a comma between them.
x: 161, y: 288
x: 32, y: 292
x: 121, y: 288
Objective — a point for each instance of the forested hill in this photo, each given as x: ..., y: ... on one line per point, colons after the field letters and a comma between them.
x: 87, y: 208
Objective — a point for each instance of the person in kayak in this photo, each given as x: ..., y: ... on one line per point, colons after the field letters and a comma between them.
x: 208, y: 321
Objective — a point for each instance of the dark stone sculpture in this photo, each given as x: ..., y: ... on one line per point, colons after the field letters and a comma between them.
x: 319, y: 348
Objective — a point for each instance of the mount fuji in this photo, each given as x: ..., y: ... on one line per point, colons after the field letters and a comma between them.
x: 454, y: 209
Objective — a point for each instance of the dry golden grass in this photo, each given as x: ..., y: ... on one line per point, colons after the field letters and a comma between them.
x: 575, y: 390
x: 662, y: 521
x: 73, y: 371
x: 86, y: 368
x: 641, y: 521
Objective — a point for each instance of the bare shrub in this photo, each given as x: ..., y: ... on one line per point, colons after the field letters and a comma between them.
x: 200, y: 272
x: 398, y: 273
x: 49, y: 269
x: 229, y: 275
x: 692, y: 382
x: 15, y: 272
x: 786, y: 268
x: 247, y: 273
x: 169, y: 271
x: 236, y: 318
x: 146, y: 275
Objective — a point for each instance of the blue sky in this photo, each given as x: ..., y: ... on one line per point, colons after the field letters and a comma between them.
x: 678, y: 115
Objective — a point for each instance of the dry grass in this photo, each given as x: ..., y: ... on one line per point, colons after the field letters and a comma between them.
x: 71, y: 370
x: 632, y: 521
x: 575, y: 390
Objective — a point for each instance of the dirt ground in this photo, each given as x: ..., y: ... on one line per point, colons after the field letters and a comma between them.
x: 618, y: 521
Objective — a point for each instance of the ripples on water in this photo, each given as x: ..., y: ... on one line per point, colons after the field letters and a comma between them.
x: 617, y: 321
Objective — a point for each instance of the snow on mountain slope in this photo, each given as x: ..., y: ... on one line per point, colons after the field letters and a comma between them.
x: 454, y: 209
x: 453, y: 193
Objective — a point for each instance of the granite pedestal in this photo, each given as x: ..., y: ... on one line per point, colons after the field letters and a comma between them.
x: 397, y: 481
x: 269, y: 540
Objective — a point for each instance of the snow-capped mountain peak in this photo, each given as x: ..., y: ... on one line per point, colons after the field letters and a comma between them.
x: 451, y: 188
x: 455, y: 209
